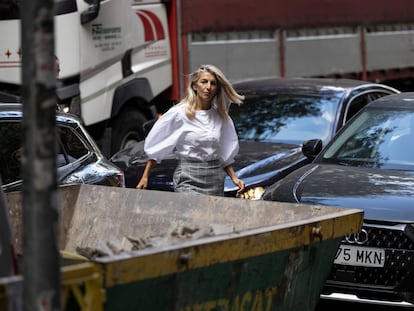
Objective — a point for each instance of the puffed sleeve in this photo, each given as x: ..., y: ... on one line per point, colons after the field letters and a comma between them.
x: 163, y: 137
x: 229, y: 143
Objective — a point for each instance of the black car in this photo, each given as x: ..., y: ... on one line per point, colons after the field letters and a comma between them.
x: 272, y: 123
x: 79, y: 160
x: 369, y: 165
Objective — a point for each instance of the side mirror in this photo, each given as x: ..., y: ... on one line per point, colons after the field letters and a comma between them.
x: 92, y: 12
x: 311, y: 148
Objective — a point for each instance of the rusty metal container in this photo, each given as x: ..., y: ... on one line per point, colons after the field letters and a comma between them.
x: 196, y: 252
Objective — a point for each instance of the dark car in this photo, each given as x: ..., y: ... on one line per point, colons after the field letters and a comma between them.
x: 79, y: 160
x: 369, y: 165
x: 272, y: 123
x: 7, y: 258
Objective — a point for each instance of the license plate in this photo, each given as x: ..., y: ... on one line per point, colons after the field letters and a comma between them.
x: 360, y: 256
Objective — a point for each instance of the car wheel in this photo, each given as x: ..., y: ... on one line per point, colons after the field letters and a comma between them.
x: 127, y: 129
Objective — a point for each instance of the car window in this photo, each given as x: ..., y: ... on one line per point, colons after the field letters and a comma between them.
x: 355, y: 105
x: 290, y: 117
x: 10, y: 151
x: 360, y: 101
x: 70, y: 148
x: 376, y: 138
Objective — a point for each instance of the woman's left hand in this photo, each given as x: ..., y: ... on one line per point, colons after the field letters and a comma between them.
x: 239, y: 183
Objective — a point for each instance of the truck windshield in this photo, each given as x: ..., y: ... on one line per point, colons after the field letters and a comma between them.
x: 9, y: 9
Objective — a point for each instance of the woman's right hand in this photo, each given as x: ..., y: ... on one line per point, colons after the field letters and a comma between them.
x: 143, y: 183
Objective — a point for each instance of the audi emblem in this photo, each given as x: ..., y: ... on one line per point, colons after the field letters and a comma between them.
x: 359, y: 238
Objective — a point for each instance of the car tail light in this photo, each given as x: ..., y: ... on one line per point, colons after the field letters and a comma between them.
x: 121, y: 179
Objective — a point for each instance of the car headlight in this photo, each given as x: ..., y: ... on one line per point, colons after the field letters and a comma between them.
x: 255, y: 193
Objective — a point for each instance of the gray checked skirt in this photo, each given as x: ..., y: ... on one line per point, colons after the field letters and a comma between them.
x: 199, y: 177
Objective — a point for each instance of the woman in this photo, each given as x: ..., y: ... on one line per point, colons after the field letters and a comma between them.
x: 201, y: 134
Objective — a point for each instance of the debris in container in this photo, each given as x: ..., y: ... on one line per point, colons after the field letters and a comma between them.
x: 185, y: 232
x: 90, y: 252
x: 129, y: 243
x: 102, y: 249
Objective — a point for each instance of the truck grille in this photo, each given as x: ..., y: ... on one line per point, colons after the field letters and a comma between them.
x: 399, y: 260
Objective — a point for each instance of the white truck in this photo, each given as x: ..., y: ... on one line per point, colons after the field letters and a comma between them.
x: 115, y: 63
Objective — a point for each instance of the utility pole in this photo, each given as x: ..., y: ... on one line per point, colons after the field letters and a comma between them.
x: 41, y: 260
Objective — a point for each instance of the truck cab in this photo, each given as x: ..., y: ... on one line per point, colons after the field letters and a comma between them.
x: 115, y: 63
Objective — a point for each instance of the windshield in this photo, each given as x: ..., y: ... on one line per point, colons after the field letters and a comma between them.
x: 378, y: 138
x: 285, y: 117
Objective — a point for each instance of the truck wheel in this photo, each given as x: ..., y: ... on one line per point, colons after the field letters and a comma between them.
x: 127, y: 129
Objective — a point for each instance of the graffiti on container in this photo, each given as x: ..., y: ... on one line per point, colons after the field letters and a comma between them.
x: 258, y: 300
x: 255, y: 301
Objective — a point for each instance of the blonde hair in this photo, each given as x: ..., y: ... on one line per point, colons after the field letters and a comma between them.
x: 225, y: 96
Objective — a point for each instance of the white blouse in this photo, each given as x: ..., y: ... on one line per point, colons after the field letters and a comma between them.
x: 207, y: 137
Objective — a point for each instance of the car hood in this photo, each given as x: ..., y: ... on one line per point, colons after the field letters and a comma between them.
x: 257, y: 163
x: 263, y: 163
x: 384, y: 195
